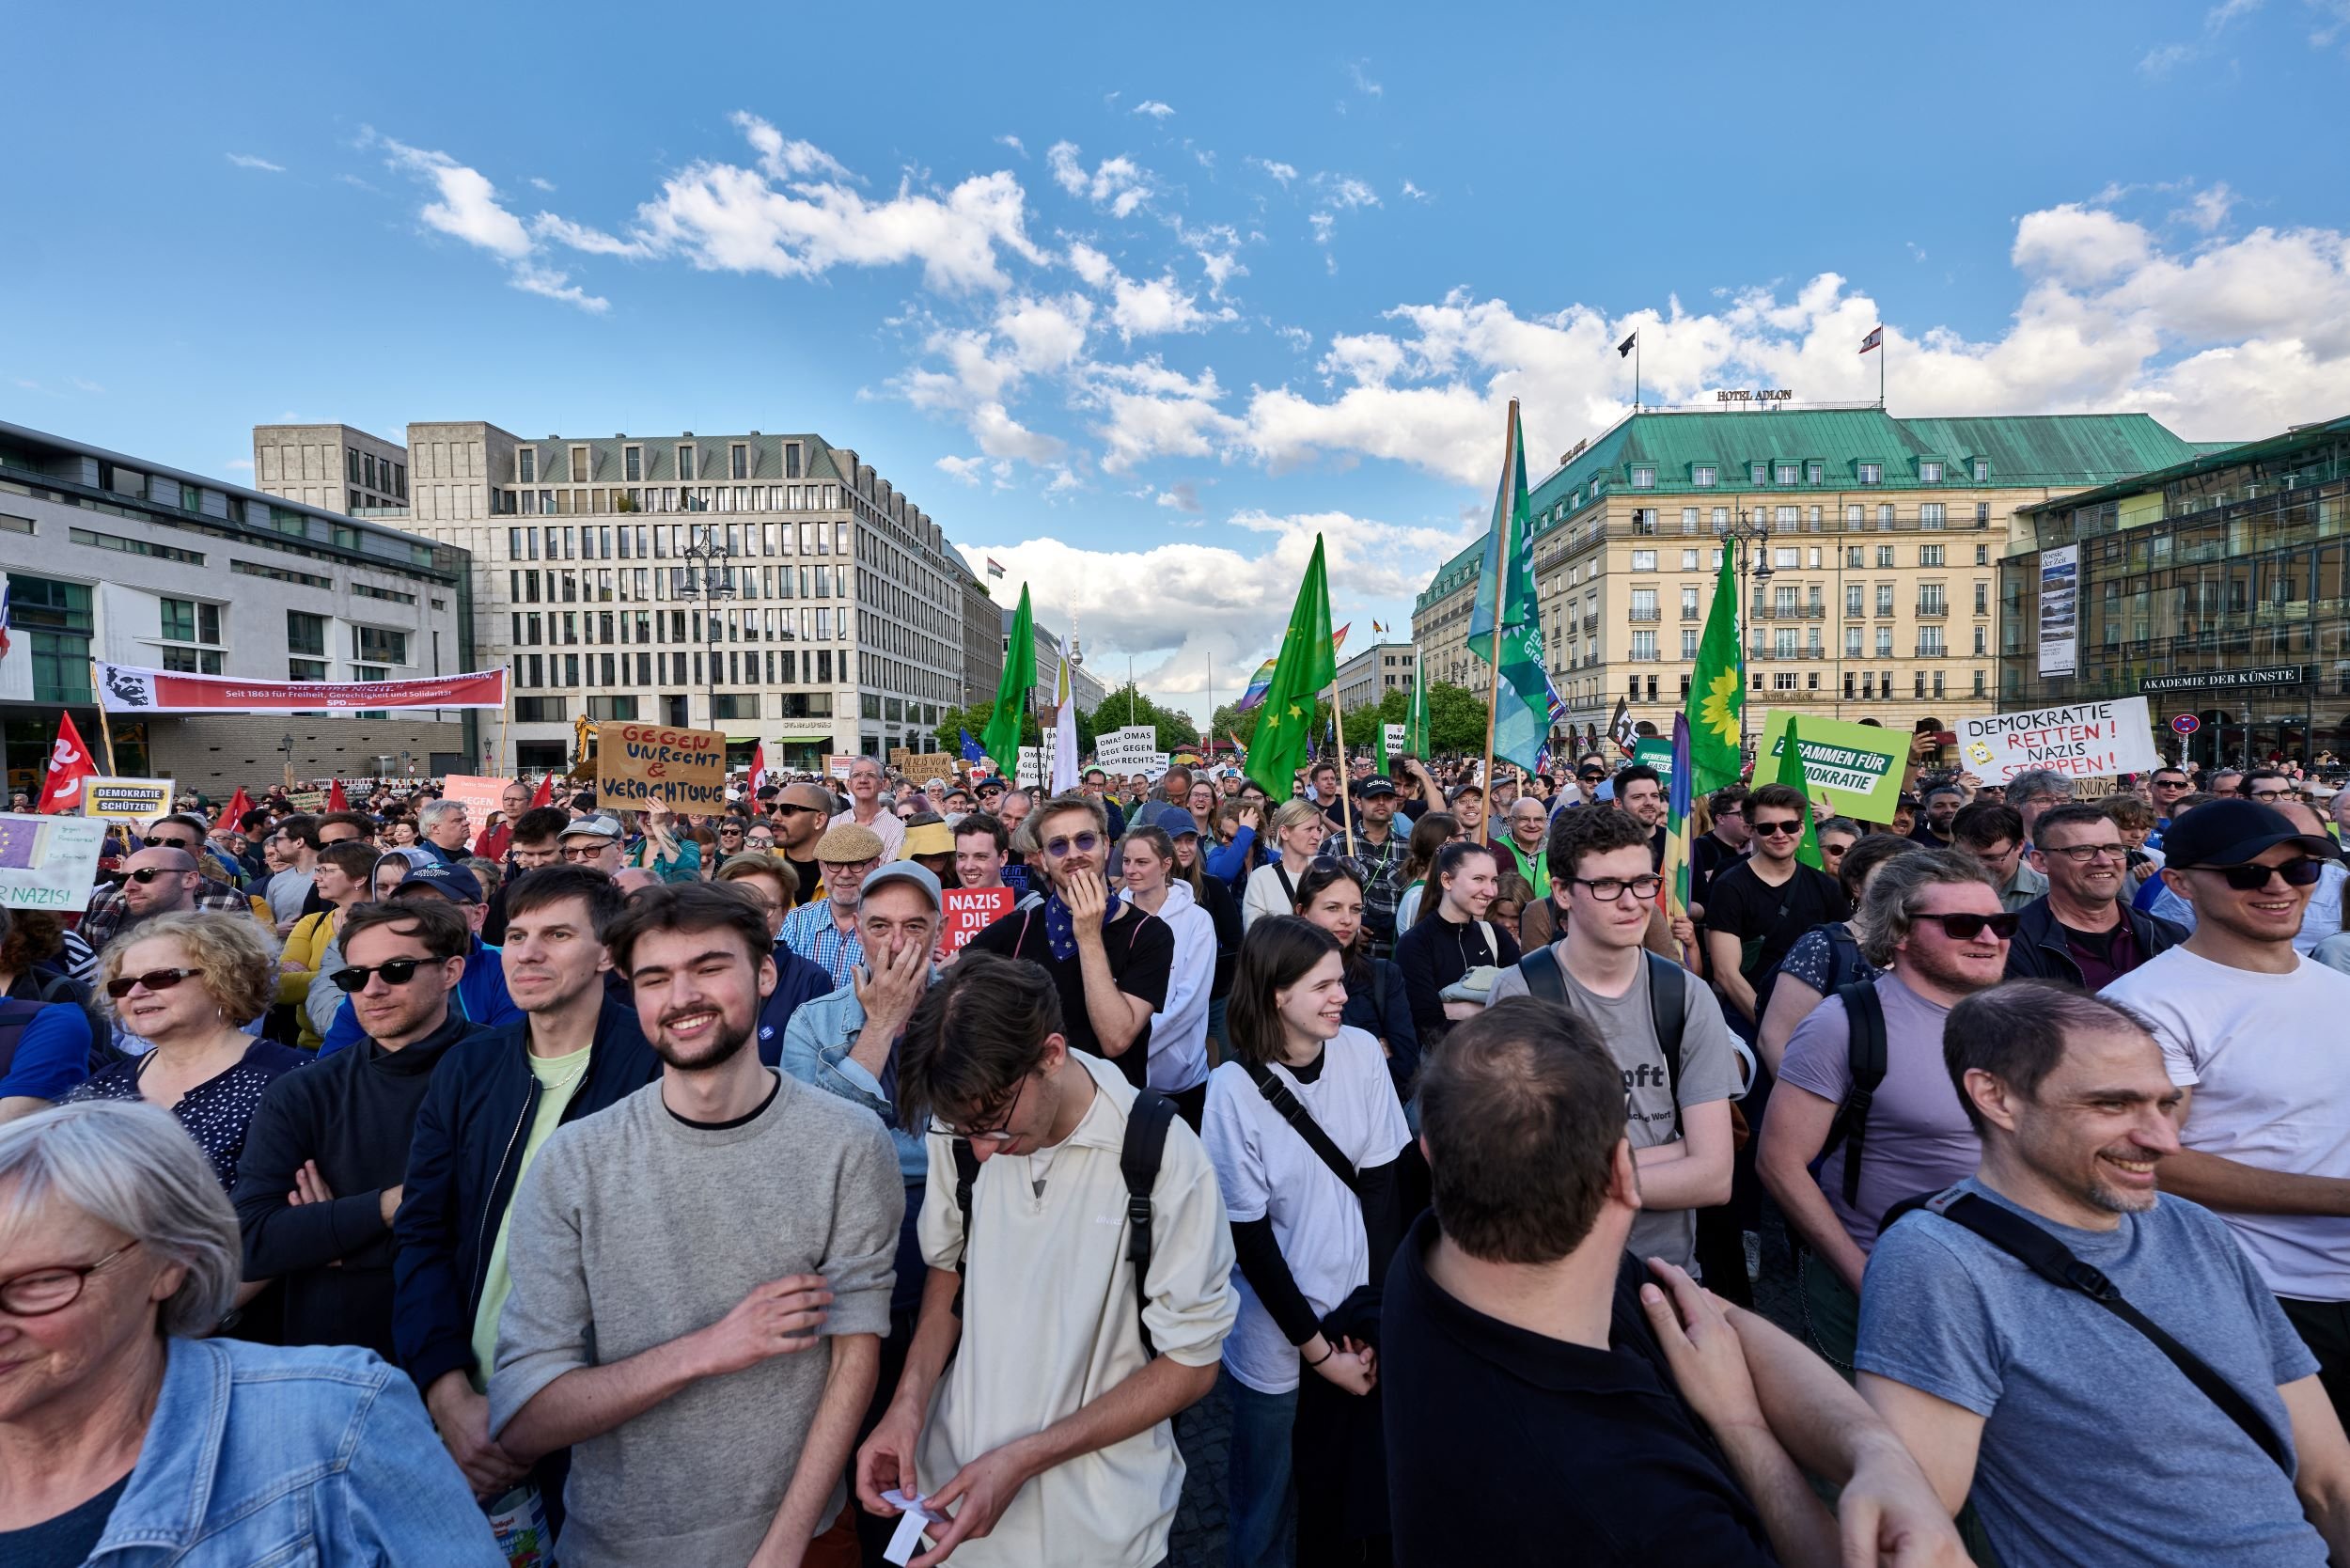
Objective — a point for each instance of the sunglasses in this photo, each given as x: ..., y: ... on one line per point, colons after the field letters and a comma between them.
x: 1083, y: 843
x: 154, y: 980
x: 1965, y: 928
x: 146, y: 874
x: 1778, y: 830
x: 158, y: 841
x: 399, y: 971
x: 2251, y: 879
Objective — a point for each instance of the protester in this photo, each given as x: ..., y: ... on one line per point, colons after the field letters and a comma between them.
x: 481, y: 996
x: 2322, y: 916
x: 1942, y: 803
x: 1376, y: 858
x: 1038, y: 1399
x: 1828, y: 955
x: 798, y: 980
x: 1641, y: 791
x: 1722, y: 845
x: 2036, y: 791
x: 45, y: 1031
x: 1377, y: 1001
x: 1452, y: 954
x: 1992, y: 834
x: 1547, y: 1401
x: 1178, y: 1066
x: 1756, y: 910
x: 825, y: 933
x: 983, y: 847
x: 296, y: 840
x: 2079, y: 931
x: 163, y: 878
x: 535, y: 842
x: 127, y: 1434
x: 802, y: 814
x: 1312, y: 1238
x: 865, y: 808
x: 1467, y: 802
x: 2006, y: 1383
x: 700, y: 1275
x: 339, y: 880
x: 1837, y: 1151
x: 1525, y: 827
x: 596, y: 840
x: 443, y: 830
x: 1299, y: 829
x: 1238, y: 851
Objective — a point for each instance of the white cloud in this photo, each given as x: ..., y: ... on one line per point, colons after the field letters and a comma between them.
x: 1117, y: 186
x: 1157, y: 306
x: 468, y: 209
x: 246, y: 161
x: 2160, y: 62
x: 2207, y: 208
x: 1090, y: 264
x: 543, y: 183
x: 89, y: 386
x: 1363, y: 84
x: 1414, y: 192
x: 780, y: 158
x: 1013, y: 142
x: 1181, y: 496
x: 1284, y: 173
x: 579, y: 237
x: 963, y: 470
x: 1152, y: 107
x: 243, y: 464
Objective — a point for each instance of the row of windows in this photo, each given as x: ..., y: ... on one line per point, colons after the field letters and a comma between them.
x: 646, y: 541
x: 133, y: 546
x: 623, y: 585
x: 377, y: 474
x: 586, y: 502
x: 1812, y: 471
x: 532, y: 629
x: 1787, y: 557
x: 756, y: 666
x: 740, y: 461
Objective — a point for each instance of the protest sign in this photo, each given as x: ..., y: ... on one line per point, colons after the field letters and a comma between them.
x: 1392, y: 737
x: 1031, y: 772
x: 138, y: 801
x: 312, y: 801
x: 923, y: 766
x: 49, y: 862
x: 837, y: 764
x: 478, y: 796
x: 1160, y: 762
x: 639, y: 763
x: 1127, y: 748
x: 1654, y: 753
x: 1854, y: 769
x: 130, y: 689
x: 969, y: 911
x: 2080, y: 740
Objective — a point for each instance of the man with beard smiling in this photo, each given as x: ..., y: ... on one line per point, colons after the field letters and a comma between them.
x: 702, y: 1274
x: 2080, y: 1438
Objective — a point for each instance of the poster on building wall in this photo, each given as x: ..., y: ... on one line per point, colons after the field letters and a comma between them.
x: 49, y: 862
x: 639, y: 763
x: 2081, y: 740
x: 2059, y: 609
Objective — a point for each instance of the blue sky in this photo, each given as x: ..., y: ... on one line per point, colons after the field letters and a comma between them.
x: 1137, y: 300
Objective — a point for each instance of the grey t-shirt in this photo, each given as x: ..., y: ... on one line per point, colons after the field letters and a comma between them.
x: 1709, y: 1071
x: 1918, y: 1138
x: 2097, y: 1451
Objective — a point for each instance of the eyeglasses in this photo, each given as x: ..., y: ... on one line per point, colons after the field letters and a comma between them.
x: 729, y: 833
x: 586, y: 851
x: 998, y: 1132
x: 54, y: 1288
x: 1790, y: 829
x: 2081, y: 854
x: 399, y: 971
x: 1608, y: 889
x: 2170, y: 783
x: 2251, y: 879
x: 1965, y: 928
x: 146, y: 874
x: 157, y: 842
x: 755, y: 841
x: 2272, y: 794
x: 154, y: 980
x: 1082, y: 843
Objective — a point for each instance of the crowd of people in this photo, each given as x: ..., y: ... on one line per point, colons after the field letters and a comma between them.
x: 609, y: 1188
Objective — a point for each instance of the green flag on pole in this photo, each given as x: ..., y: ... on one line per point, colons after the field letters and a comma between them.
x: 1002, y: 740
x: 1415, y: 715
x: 1303, y: 667
x: 1791, y: 774
x: 1717, y: 692
x: 1504, y: 622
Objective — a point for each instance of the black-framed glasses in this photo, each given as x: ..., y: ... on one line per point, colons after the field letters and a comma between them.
x: 39, y: 1291
x: 154, y: 980
x: 997, y: 1132
x: 146, y: 874
x: 1608, y: 889
x: 2081, y: 854
x: 398, y: 971
x: 2281, y: 792
x: 2251, y: 879
x: 1965, y: 928
x: 1790, y: 829
x: 1081, y: 843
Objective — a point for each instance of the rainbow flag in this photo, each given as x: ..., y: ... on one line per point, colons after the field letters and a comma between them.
x: 1675, y: 893
x: 1262, y: 680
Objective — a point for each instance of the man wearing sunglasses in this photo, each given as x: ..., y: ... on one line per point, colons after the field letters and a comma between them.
x: 323, y: 1163
x: 802, y: 814
x: 1755, y: 910
x: 1932, y: 922
x: 2080, y: 930
x: 481, y: 997
x: 174, y: 880
x: 2250, y: 1027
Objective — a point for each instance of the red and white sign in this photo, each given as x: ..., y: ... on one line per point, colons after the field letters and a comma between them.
x: 971, y: 910
x: 128, y: 689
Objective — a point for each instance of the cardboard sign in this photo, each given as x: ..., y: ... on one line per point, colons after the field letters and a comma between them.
x: 478, y: 796
x: 836, y: 765
x: 2080, y: 740
x: 49, y: 862
x: 312, y: 801
x: 1031, y: 771
x: 639, y: 763
x: 1127, y: 749
x: 138, y: 801
x: 969, y: 911
x: 923, y: 766
x: 1853, y: 769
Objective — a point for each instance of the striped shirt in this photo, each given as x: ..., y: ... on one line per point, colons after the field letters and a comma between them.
x: 810, y: 931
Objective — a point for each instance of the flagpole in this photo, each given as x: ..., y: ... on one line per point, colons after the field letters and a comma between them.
x: 105, y: 730
x: 1346, y: 811
x: 1882, y: 353
x: 1501, y: 606
x: 1636, y: 372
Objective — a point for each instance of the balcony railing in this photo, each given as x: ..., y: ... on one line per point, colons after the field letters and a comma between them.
x: 1935, y: 609
x: 1648, y: 615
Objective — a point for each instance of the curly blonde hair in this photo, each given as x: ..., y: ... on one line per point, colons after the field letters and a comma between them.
x: 240, y: 971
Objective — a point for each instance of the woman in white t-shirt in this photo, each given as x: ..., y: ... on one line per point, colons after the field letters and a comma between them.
x: 1178, y: 1064
x: 1298, y: 829
x: 1308, y: 1257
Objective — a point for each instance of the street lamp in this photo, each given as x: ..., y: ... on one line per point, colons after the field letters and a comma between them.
x: 708, y: 579
x: 1748, y: 536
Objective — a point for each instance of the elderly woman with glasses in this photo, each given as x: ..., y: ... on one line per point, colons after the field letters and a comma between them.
x: 126, y: 1437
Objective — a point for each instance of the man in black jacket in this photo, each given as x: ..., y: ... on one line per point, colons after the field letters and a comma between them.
x: 327, y: 1151
x: 2081, y: 930
x: 502, y: 1095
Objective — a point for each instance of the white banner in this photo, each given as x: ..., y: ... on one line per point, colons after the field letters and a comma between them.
x: 49, y: 862
x: 2084, y: 740
x: 2059, y: 609
x: 1127, y: 748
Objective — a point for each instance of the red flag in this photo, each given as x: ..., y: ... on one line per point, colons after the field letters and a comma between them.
x: 1874, y: 340
x: 545, y: 796
x: 68, y: 764
x: 334, y: 800
x: 758, y: 767
x: 233, y: 813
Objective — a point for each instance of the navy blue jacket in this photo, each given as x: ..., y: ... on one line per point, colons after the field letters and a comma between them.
x: 797, y: 979
x: 462, y: 1165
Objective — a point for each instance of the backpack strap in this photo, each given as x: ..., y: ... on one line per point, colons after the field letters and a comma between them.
x: 2050, y: 1259
x: 1864, y: 1054
x: 1293, y: 1110
x: 1543, y: 981
x: 1138, y: 1160
x: 1668, y: 1012
x: 966, y: 1178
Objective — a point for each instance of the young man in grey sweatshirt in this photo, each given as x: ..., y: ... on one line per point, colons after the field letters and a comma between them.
x: 701, y: 1273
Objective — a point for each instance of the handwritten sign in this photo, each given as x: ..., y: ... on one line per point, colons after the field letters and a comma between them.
x: 478, y: 796
x: 139, y: 801
x: 49, y: 862
x: 1127, y: 749
x: 639, y: 763
x: 306, y: 800
x: 2080, y: 740
x: 969, y: 911
x: 923, y: 766
x: 1855, y: 769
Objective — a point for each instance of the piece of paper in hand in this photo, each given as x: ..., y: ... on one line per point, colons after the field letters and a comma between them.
x: 911, y: 1523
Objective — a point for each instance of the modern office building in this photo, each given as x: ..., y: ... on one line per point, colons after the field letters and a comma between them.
x: 1084, y: 684
x: 1369, y: 675
x: 333, y: 468
x: 773, y: 587
x: 2217, y: 587
x: 983, y: 635
x: 113, y: 557
x: 1866, y: 551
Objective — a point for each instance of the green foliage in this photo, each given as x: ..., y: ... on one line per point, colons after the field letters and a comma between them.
x: 1176, y: 729
x: 1456, y: 718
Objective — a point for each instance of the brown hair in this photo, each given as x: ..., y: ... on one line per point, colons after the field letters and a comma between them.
x: 1274, y: 955
x: 434, y: 922
x: 690, y: 906
x: 974, y: 1036
x: 742, y: 863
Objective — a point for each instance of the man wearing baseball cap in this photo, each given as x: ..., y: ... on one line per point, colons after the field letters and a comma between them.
x: 481, y: 996
x: 2246, y: 1026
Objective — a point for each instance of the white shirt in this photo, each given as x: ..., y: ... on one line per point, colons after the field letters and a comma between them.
x: 2272, y: 1090
x: 1265, y: 1167
x: 1179, y: 1030
x: 886, y: 822
x: 1265, y: 895
x: 2323, y: 918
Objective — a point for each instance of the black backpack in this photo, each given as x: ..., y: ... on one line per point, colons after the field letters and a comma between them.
x: 1864, y: 1056
x: 1668, y: 1006
x: 1137, y: 1161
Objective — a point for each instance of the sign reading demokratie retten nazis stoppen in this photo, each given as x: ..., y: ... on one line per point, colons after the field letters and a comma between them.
x: 639, y: 763
x: 2087, y: 740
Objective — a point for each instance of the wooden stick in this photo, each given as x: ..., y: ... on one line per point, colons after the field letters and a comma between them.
x: 1501, y: 604
x: 105, y: 730
x: 1346, y: 809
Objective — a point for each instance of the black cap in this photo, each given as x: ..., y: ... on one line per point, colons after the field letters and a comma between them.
x: 2233, y: 833
x: 1375, y: 785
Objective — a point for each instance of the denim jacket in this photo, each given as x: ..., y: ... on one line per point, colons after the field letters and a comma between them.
x: 315, y: 1455
x: 816, y: 1047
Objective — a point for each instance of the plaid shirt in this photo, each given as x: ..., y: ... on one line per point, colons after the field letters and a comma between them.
x: 1380, y: 866
x: 809, y: 931
x: 110, y: 911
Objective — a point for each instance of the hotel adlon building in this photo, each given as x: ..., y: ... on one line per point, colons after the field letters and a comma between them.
x: 1867, y: 550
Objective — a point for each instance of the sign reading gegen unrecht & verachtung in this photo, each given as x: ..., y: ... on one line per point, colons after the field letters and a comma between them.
x: 639, y: 763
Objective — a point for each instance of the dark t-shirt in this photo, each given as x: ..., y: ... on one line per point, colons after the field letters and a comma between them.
x: 1709, y: 858
x: 809, y: 873
x: 2105, y: 956
x: 1508, y: 1446
x: 1766, y: 919
x: 67, y: 1538
x: 1142, y: 951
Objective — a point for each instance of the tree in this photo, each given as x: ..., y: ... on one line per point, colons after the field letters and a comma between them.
x: 1175, y: 728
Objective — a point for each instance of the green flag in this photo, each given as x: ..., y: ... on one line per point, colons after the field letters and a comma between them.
x: 1302, y: 668
x: 1002, y: 740
x: 1504, y: 622
x: 1791, y: 774
x: 1415, y: 715
x: 1717, y: 693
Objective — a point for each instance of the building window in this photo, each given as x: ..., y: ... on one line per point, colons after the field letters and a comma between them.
x: 1704, y: 475
x: 1689, y: 600
x: 1783, y: 680
x: 1884, y: 518
x: 1786, y: 558
x: 1784, y: 473
x: 187, y: 621
x: 1930, y: 515
x: 582, y: 468
x: 612, y: 710
x: 305, y: 634
x: 1929, y: 471
x: 1929, y: 554
x: 526, y: 466
x: 685, y: 463
x: 1644, y: 647
x: 1814, y: 472
x: 1644, y: 521
x: 1851, y: 643
x: 1885, y: 555
x: 1643, y: 478
x: 1930, y: 642
x: 1884, y: 601
x: 1856, y: 555
x: 193, y: 661
x: 739, y: 462
x: 376, y: 645
x: 1885, y: 649
x: 1983, y: 638
x: 1978, y: 691
x: 1982, y: 598
x: 306, y: 669
x: 1643, y: 560
x: 1871, y: 472
x: 1644, y: 603
x: 1854, y: 594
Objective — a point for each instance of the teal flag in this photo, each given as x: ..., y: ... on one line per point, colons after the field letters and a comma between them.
x: 1505, y: 622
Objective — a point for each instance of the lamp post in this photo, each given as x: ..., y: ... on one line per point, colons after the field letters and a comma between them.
x: 1749, y: 536
x: 708, y: 579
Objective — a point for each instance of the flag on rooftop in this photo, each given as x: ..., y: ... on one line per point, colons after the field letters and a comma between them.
x: 1874, y: 340
x: 1625, y: 347
x: 994, y: 567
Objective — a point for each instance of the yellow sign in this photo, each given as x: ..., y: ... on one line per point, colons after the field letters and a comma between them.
x: 139, y: 801
x: 639, y: 763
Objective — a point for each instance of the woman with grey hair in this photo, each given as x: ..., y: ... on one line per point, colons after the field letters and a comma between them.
x: 125, y: 1436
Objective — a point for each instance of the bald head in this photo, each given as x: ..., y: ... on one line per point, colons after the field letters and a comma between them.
x: 160, y: 881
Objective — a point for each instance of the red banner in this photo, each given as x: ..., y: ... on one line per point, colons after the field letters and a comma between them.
x: 126, y: 689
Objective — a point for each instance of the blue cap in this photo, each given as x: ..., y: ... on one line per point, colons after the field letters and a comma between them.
x: 453, y: 883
